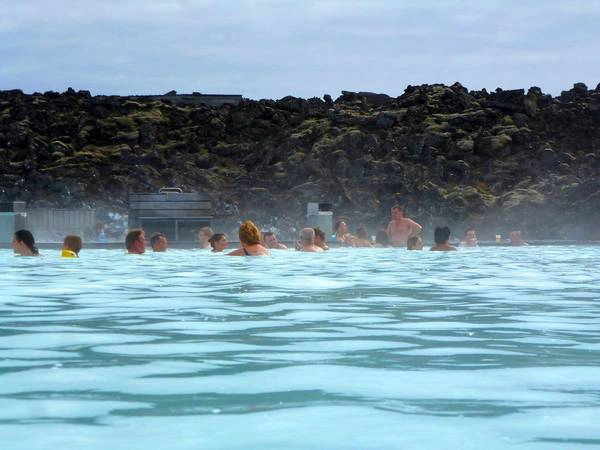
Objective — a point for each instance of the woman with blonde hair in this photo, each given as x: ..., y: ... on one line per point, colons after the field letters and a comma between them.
x: 250, y: 241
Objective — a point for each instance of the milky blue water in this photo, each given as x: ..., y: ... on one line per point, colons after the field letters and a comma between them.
x: 354, y: 349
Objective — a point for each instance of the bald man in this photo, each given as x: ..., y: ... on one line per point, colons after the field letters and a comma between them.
x: 307, y: 241
x: 401, y: 228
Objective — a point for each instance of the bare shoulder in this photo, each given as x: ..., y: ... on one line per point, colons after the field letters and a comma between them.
x: 237, y: 252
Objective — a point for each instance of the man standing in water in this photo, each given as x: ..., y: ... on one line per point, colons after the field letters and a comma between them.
x: 269, y: 240
x: 159, y: 243
x: 307, y: 241
x: 401, y: 228
x: 442, y: 240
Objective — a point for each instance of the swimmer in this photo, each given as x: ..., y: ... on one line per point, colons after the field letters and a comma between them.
x: 470, y: 239
x: 362, y: 238
x: 307, y: 241
x: 250, y: 241
x: 401, y: 228
x: 204, y: 235
x: 71, y: 247
x: 159, y: 243
x: 269, y: 240
x: 218, y: 241
x: 23, y: 244
x: 442, y: 236
x: 516, y: 240
x: 381, y: 239
x: 320, y: 239
x: 135, y: 241
x: 342, y: 234
x: 414, y: 243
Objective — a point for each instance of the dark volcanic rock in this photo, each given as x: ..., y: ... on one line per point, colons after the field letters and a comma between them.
x: 499, y: 160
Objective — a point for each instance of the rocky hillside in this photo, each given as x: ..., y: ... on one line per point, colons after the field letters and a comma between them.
x: 494, y: 160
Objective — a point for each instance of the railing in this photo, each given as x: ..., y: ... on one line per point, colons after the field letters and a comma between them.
x: 55, y: 224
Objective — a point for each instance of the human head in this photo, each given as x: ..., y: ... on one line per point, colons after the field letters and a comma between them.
x: 72, y: 243
x: 382, y: 238
x: 414, y: 243
x: 320, y: 237
x: 159, y: 242
x: 340, y: 227
x: 135, y: 241
x: 515, y: 236
x: 307, y: 236
x: 249, y: 233
x: 269, y: 239
x: 23, y: 243
x: 470, y: 233
x: 361, y: 233
x: 218, y: 242
x: 204, y: 234
x: 441, y: 235
x: 397, y: 212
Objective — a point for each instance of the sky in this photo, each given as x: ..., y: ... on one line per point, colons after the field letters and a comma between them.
x: 306, y: 48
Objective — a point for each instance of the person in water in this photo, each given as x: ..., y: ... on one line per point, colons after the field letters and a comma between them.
x: 470, y: 239
x: 307, y: 241
x: 159, y: 243
x: 401, y: 228
x: 218, y: 241
x: 71, y: 247
x: 135, y: 241
x: 442, y: 238
x: 249, y: 241
x: 381, y: 239
x: 362, y: 238
x: 204, y: 235
x: 320, y: 239
x: 342, y: 235
x: 516, y: 239
x: 23, y: 244
x: 269, y: 240
x: 414, y: 243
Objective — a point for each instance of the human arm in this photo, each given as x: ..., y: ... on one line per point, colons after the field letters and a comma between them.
x: 415, y: 228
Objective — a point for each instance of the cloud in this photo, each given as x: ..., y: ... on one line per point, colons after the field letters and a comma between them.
x: 271, y: 48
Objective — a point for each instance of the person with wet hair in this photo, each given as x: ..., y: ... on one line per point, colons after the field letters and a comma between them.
x: 401, y: 228
x: 307, y: 241
x: 516, y: 239
x: 342, y: 235
x: 71, y: 247
x: 269, y: 240
x: 470, y: 239
x: 23, y: 244
x: 204, y: 235
x: 414, y: 243
x: 250, y: 245
x: 362, y: 238
x: 442, y: 238
x: 320, y: 239
x: 218, y: 241
x: 135, y: 241
x: 159, y: 243
x: 381, y: 239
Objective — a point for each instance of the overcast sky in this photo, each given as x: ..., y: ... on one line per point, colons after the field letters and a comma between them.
x: 273, y: 48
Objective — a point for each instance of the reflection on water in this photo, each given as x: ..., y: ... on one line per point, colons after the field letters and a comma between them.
x: 370, y: 348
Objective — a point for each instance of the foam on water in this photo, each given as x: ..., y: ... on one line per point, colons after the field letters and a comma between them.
x: 489, y: 347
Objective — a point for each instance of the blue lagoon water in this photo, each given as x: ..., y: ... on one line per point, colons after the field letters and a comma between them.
x: 353, y: 349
